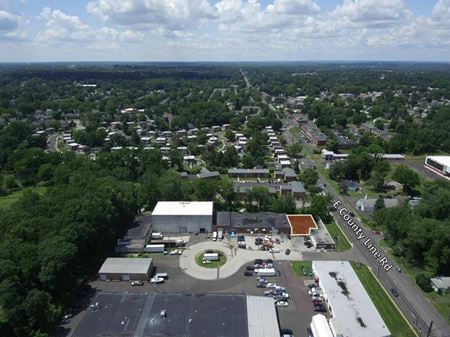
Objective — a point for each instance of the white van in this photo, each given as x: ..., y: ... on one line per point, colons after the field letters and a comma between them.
x: 214, y: 236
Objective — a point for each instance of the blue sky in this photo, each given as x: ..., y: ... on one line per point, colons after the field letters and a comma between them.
x: 224, y: 30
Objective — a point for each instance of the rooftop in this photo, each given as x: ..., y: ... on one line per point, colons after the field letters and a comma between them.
x: 179, y: 315
x: 251, y: 220
x: 353, y: 312
x: 301, y: 224
x: 183, y: 208
x: 443, y: 160
x: 122, y: 265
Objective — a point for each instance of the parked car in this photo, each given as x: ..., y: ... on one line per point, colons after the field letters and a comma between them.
x: 287, y: 251
x: 156, y: 280
x: 282, y: 296
x: 259, y: 241
x: 281, y: 303
x: 268, y: 261
x: 250, y: 268
x: 268, y: 293
x: 320, y: 308
x: 274, y: 250
x: 277, y: 240
x: 312, y: 285
x: 286, y: 332
x: 309, y: 332
x: 317, y: 301
x: 248, y: 273
x: 394, y: 292
x: 271, y: 285
x: 260, y: 285
x: 258, y: 261
x: 278, y: 273
x: 137, y: 283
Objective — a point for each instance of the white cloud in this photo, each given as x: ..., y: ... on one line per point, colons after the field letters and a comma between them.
x: 293, y: 7
x: 148, y: 14
x: 380, y: 13
x: 12, y: 26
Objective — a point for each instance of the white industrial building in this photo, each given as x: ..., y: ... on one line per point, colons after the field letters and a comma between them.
x: 183, y: 216
x: 353, y: 313
x: 439, y: 164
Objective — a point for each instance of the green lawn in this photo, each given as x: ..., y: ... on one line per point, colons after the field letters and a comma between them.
x: 8, y: 200
x: 342, y: 243
x: 388, y: 311
x: 298, y: 265
x: 213, y: 264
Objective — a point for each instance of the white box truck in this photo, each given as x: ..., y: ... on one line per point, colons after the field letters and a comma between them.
x: 220, y: 234
x: 266, y: 272
x: 154, y: 248
x: 211, y: 257
x: 214, y: 236
x: 157, y: 236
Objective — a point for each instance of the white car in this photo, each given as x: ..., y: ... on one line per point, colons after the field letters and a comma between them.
x: 137, y: 283
x: 274, y: 250
x: 281, y: 303
x: 156, y: 280
x: 271, y: 285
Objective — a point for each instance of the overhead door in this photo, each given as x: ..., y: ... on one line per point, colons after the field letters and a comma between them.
x: 125, y: 277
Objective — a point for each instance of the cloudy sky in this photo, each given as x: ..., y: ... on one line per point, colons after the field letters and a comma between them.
x: 224, y: 30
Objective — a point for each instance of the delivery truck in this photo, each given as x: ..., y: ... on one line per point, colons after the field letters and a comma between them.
x: 211, y: 257
x: 268, y: 272
x: 154, y: 248
x: 157, y: 236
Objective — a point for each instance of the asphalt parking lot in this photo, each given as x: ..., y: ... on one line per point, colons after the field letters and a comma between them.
x: 297, y: 316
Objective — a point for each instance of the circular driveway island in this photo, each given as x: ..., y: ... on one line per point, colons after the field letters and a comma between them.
x: 236, y: 257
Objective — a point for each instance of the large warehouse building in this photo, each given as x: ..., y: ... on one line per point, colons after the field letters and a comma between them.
x: 125, y: 269
x: 183, y: 216
x: 179, y: 315
x: 439, y: 164
x: 353, y: 313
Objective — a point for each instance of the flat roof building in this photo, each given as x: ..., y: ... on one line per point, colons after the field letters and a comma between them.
x: 125, y: 269
x: 252, y: 222
x: 301, y: 224
x: 439, y: 164
x: 353, y: 313
x: 182, y: 216
x: 179, y: 315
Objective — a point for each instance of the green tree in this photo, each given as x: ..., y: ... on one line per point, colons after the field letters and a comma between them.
x: 294, y: 149
x: 309, y: 177
x: 407, y: 177
x: 379, y: 204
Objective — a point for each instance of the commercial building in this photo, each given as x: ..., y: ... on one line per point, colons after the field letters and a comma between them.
x: 438, y: 164
x: 252, y: 222
x: 352, y: 312
x: 182, y: 216
x: 179, y: 315
x: 301, y: 224
x: 125, y: 269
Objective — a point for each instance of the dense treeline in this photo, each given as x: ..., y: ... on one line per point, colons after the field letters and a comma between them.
x: 421, y: 235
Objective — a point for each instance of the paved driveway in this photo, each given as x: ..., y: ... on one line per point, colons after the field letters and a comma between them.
x: 236, y: 257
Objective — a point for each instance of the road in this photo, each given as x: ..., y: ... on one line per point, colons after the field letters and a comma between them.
x: 247, y: 82
x: 412, y: 303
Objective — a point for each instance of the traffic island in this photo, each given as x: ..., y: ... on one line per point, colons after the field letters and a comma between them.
x: 211, y: 259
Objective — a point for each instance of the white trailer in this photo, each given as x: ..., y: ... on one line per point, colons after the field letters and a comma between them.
x: 220, y: 234
x: 211, y: 257
x: 266, y: 272
x: 154, y: 248
x: 214, y: 236
x: 157, y: 236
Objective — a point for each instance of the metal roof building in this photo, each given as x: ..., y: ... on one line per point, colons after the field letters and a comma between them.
x: 125, y: 269
x: 179, y: 315
x: 182, y: 216
x: 353, y: 312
